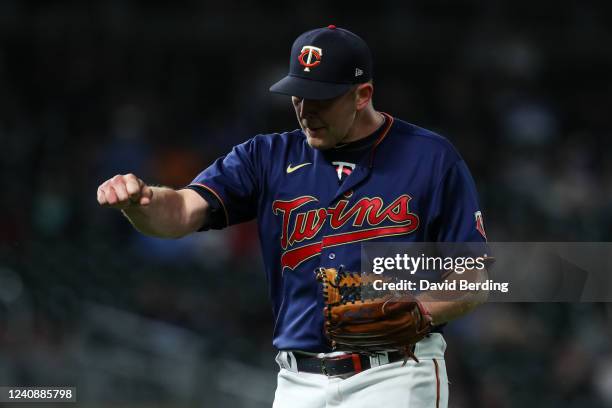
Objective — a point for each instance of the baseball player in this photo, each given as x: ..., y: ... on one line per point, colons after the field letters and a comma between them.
x: 348, y: 175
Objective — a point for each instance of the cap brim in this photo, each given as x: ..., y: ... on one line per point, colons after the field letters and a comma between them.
x: 309, y: 89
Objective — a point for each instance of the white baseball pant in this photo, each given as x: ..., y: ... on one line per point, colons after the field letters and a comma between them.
x: 415, y: 385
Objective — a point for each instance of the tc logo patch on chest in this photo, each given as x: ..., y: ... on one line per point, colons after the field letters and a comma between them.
x: 343, y: 168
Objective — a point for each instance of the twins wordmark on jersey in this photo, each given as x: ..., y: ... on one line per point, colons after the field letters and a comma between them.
x: 364, y: 215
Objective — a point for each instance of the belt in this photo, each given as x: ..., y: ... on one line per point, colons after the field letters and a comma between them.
x: 345, y: 364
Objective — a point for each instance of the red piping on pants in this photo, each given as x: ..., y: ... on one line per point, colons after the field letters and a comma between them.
x: 437, y: 383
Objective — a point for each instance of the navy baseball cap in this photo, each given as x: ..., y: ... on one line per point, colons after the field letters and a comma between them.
x: 325, y: 63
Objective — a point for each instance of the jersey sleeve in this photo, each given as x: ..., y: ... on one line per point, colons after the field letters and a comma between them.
x: 455, y: 214
x: 457, y: 218
x: 231, y: 186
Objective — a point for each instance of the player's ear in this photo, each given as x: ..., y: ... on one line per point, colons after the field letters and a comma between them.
x: 363, y: 95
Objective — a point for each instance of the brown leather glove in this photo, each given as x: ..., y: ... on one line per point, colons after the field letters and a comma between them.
x: 359, y: 318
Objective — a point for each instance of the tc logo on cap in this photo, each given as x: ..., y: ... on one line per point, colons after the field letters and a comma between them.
x: 310, y: 52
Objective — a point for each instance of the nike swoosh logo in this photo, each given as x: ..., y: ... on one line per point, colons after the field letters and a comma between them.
x: 299, y: 166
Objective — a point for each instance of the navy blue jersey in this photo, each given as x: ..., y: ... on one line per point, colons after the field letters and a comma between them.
x: 410, y: 185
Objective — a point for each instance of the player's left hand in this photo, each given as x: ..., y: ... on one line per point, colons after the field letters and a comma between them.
x: 354, y: 322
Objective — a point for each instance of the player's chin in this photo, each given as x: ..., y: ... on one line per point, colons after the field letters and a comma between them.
x: 317, y: 139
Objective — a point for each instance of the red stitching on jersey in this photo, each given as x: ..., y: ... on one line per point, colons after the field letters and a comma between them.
x: 218, y: 198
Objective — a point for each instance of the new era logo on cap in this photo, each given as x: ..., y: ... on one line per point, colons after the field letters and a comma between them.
x: 347, y: 62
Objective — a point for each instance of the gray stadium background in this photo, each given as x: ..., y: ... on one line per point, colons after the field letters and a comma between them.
x: 92, y: 89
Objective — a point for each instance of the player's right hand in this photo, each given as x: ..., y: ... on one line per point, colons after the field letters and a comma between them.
x: 124, y: 191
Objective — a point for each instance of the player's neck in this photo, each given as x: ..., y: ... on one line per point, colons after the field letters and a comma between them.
x: 366, y: 122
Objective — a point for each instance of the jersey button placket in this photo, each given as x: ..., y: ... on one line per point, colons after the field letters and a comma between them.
x: 326, y: 253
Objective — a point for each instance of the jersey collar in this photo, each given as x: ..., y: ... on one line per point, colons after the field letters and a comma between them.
x: 388, y: 123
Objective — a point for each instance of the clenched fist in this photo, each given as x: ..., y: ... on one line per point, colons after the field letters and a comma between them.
x: 124, y: 191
